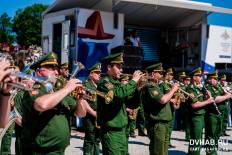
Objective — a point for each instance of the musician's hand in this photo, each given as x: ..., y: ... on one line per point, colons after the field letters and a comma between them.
x: 228, y: 95
x: 210, y: 100
x: 176, y: 102
x: 175, y: 87
x: 9, y: 79
x: 173, y: 101
x: 130, y: 111
x: 137, y: 75
x: 72, y: 84
x: 4, y: 71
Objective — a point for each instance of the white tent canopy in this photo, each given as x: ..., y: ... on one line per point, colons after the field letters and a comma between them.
x: 150, y: 13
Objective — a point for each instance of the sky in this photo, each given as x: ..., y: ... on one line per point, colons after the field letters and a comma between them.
x: 11, y: 6
x: 218, y: 18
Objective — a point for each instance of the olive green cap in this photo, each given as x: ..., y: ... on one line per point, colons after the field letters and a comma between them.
x: 182, y: 74
x: 169, y: 71
x: 223, y: 77
x: 113, y: 58
x: 187, y: 77
x: 96, y: 67
x: 49, y: 59
x: 212, y: 75
x: 197, y: 71
x: 155, y: 67
x: 64, y: 65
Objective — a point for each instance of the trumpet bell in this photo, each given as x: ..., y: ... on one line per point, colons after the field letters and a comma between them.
x: 78, y: 66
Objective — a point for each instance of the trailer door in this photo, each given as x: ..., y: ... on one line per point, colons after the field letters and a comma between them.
x: 65, y: 41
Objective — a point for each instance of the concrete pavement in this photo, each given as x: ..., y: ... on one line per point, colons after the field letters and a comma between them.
x: 139, y: 145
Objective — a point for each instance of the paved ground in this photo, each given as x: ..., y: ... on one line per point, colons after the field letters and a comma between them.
x: 139, y: 145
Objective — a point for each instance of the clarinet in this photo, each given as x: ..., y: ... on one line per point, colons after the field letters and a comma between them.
x: 214, y: 103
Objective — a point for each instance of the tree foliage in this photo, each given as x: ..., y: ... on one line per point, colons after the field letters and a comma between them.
x: 6, y: 34
x: 27, y: 24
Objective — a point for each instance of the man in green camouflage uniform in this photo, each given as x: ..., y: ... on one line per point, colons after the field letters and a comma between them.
x: 140, y: 121
x: 185, y: 108
x: 92, y: 135
x: 213, y: 120
x: 6, y: 141
x: 111, y: 110
x: 45, y: 113
x: 166, y: 86
x: 198, y: 100
x: 132, y: 105
x: 130, y: 108
x: 158, y: 110
x: 226, y: 111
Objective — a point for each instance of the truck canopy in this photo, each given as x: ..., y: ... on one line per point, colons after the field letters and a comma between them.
x: 147, y: 13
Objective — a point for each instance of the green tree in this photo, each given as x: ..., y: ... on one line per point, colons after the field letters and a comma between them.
x: 27, y: 24
x: 6, y: 33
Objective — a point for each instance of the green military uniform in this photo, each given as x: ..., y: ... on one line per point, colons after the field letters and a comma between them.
x: 166, y: 87
x: 196, y: 115
x: 157, y: 115
x: 223, y: 108
x: 141, y: 121
x: 45, y: 132
x: 225, y: 111
x: 112, y: 115
x: 213, y: 121
x: 6, y: 141
x: 184, y: 108
x: 132, y: 102
x: 18, y: 129
x: 92, y: 133
x: 129, y: 104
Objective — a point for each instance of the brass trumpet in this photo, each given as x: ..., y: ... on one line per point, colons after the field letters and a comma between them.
x: 78, y: 67
x: 144, y: 76
x: 186, y: 95
x: 91, y: 95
